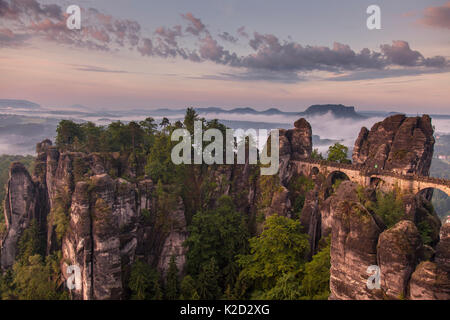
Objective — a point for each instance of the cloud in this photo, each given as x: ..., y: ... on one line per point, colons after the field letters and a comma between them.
x: 15, y: 8
x: 228, y: 37
x: 242, y: 32
x: 273, y: 54
x: 196, y: 26
x: 10, y: 39
x: 438, y: 17
x: 270, y: 58
x: 386, y: 73
x: 89, y: 68
x: 257, y: 75
x: 399, y: 53
x: 169, y: 35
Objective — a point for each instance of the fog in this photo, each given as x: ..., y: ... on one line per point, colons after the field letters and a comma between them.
x: 326, y: 126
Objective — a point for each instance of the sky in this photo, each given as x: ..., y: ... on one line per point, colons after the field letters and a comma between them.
x: 227, y: 53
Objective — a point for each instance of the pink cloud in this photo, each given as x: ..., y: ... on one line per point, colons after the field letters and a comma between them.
x: 437, y: 16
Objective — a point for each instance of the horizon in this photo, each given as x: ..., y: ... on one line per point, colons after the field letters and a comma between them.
x: 82, y: 108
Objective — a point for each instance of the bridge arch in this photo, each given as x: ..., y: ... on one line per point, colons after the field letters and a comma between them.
x: 333, y: 180
x: 439, y: 198
x: 376, y: 182
x: 315, y: 171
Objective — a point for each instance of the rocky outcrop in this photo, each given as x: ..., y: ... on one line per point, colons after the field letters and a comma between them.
x: 108, y: 218
x: 443, y: 248
x: 398, y: 253
x: 77, y: 245
x: 398, y: 143
x: 295, y: 144
x: 173, y: 245
x: 431, y: 279
x: 20, y: 210
x: 429, y: 282
x: 354, y: 239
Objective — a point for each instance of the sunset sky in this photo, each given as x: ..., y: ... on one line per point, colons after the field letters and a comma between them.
x: 227, y: 53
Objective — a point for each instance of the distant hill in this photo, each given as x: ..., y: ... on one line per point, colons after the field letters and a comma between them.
x: 5, y: 103
x: 338, y: 110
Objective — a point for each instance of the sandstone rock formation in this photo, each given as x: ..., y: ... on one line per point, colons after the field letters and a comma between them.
x: 106, y: 225
x: 398, y: 143
x: 398, y: 254
x: 20, y: 210
x: 354, y: 239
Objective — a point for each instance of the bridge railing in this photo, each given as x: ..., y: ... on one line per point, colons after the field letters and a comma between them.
x: 364, y: 170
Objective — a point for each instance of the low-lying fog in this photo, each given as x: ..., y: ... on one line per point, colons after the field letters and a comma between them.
x: 22, y: 140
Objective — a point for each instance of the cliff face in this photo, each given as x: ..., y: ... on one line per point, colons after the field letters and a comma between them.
x: 106, y: 227
x: 20, y: 210
x: 398, y: 143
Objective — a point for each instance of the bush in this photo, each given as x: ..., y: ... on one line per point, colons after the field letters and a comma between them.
x: 389, y: 207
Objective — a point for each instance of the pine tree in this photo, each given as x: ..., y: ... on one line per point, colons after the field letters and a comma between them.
x: 208, y: 282
x: 172, y: 280
x: 187, y: 289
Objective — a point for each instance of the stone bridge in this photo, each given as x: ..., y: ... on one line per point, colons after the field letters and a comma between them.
x: 364, y: 176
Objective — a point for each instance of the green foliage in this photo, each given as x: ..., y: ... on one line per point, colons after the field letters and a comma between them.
x: 208, y: 281
x: 188, y: 289
x: 159, y: 163
x: 338, y: 153
x: 309, y: 282
x: 79, y: 169
x: 146, y: 215
x: 172, y: 285
x: 298, y: 187
x: 67, y: 133
x: 389, y: 207
x: 336, y: 184
x: 316, y: 155
x: 32, y: 277
x: 29, y: 243
x: 218, y: 234
x: 59, y: 214
x: 425, y: 231
x: 144, y: 282
x: 35, y: 279
x: 280, y: 249
x: 268, y: 186
x: 316, y: 279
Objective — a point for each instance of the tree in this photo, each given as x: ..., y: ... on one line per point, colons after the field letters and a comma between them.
x: 33, y: 280
x: 164, y: 123
x: 172, y: 286
x: 220, y: 234
x: 281, y: 248
x: 159, y: 161
x: 316, y: 279
x: 389, y: 207
x: 144, y: 282
x: 190, y: 117
x: 66, y: 132
x: 188, y: 290
x: 316, y: 154
x: 208, y: 281
x: 338, y: 153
